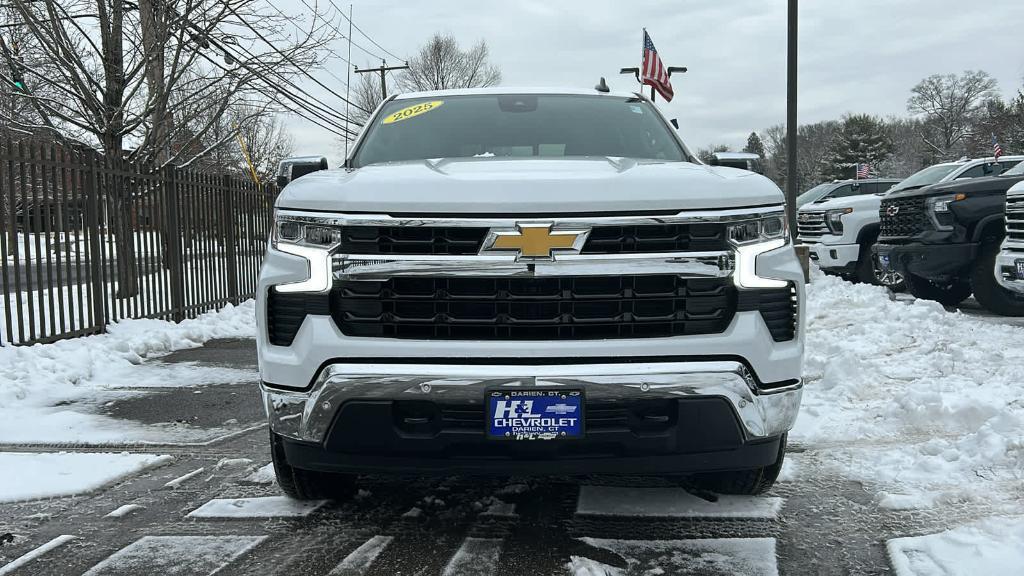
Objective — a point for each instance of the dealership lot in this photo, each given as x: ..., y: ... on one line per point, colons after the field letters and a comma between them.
x: 203, y: 498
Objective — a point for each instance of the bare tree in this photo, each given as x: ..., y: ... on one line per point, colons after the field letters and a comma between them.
x: 442, y: 64
x: 149, y: 82
x: 265, y: 142
x: 948, y: 103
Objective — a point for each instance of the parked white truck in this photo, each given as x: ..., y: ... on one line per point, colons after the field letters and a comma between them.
x: 529, y: 281
x: 840, y: 228
x: 1010, y: 261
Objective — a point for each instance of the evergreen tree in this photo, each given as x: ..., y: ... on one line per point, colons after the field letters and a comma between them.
x: 754, y: 145
x: 861, y: 139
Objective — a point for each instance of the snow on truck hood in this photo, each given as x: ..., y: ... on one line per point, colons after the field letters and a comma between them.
x: 528, y: 185
x: 862, y: 202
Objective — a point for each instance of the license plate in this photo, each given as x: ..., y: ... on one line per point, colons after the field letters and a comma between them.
x: 1020, y: 268
x: 883, y: 260
x: 535, y: 414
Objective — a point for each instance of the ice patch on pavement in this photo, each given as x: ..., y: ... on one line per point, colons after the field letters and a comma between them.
x: 17, y: 563
x: 920, y: 404
x: 703, y: 557
x: 35, y: 381
x: 476, y: 556
x: 31, y: 476
x: 991, y: 546
x: 359, y: 560
x: 177, y: 555
x: 671, y: 502
x: 263, y: 475
x: 122, y: 511
x: 269, y: 507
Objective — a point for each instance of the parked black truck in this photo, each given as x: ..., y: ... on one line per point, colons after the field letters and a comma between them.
x: 944, y: 239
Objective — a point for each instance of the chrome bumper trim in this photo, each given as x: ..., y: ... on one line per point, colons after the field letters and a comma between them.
x: 1008, y: 258
x: 308, y: 415
x: 716, y: 264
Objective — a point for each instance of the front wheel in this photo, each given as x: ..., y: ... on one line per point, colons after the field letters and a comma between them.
x: 947, y: 294
x: 749, y: 482
x: 987, y: 290
x: 306, y: 484
x: 869, y: 271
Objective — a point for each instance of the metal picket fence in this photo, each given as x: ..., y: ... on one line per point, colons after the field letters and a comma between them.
x: 87, y: 240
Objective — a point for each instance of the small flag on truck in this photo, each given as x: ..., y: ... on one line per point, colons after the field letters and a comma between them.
x: 653, y: 72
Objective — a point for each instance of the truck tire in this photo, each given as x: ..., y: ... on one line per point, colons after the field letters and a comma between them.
x: 946, y: 294
x: 749, y: 482
x: 307, y: 484
x: 987, y: 290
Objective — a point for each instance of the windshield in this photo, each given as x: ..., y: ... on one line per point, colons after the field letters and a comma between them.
x: 514, y: 125
x: 813, y: 194
x: 926, y: 177
x: 1017, y: 170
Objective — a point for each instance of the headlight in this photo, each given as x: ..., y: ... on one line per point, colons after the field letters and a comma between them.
x: 770, y: 227
x: 753, y: 238
x: 834, y: 220
x: 938, y: 210
x: 310, y: 238
x: 305, y: 231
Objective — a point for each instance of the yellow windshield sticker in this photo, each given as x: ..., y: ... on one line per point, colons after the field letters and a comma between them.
x: 412, y: 111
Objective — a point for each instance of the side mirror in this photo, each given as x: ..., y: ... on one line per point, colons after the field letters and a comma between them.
x: 291, y: 168
x: 675, y: 122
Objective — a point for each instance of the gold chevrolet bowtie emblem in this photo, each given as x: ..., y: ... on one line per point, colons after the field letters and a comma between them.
x: 535, y: 241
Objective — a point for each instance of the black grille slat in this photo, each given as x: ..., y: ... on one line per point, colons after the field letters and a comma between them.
x: 286, y: 312
x: 533, y: 308
x: 909, y: 220
x: 461, y: 241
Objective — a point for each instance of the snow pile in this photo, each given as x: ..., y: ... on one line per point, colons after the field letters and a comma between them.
x: 27, y: 372
x: 35, y: 381
x: 991, y: 546
x: 30, y: 476
x: 922, y: 403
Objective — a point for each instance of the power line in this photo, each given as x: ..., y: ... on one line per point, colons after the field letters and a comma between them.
x: 365, y: 35
x: 290, y: 60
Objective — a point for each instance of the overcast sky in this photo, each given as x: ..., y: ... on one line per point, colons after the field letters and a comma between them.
x: 855, y: 55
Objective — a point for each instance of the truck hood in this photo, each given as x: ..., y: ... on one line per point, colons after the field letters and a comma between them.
x: 862, y: 202
x: 966, y: 186
x: 528, y: 186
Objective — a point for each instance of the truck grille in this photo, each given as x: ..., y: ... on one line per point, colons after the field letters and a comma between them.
x: 565, y: 307
x: 778, y: 307
x: 811, y: 227
x: 910, y: 219
x: 460, y: 240
x: 286, y: 312
x: 1015, y: 222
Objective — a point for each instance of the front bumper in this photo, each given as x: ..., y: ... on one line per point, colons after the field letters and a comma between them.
x: 842, y: 257
x: 931, y: 261
x: 371, y: 417
x: 1006, y: 270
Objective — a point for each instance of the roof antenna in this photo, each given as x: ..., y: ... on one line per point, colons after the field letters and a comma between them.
x: 602, y: 86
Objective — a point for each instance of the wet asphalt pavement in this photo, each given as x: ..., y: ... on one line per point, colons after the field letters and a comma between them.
x: 810, y: 523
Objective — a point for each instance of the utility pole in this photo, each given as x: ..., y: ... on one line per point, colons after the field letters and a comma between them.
x: 791, y: 121
x: 384, y: 69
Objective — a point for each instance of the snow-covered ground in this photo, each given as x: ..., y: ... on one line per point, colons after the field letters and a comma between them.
x: 29, y: 476
x: 38, y: 384
x: 922, y: 405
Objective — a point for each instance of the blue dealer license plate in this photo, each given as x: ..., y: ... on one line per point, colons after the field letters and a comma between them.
x: 1020, y: 269
x: 535, y: 414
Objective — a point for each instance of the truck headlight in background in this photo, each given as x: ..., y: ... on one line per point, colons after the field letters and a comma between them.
x: 834, y: 220
x: 311, y: 238
x: 753, y: 238
x: 939, y: 212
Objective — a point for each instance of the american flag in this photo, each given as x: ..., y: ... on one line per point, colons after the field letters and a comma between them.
x: 653, y: 72
x: 997, y: 150
x: 863, y: 171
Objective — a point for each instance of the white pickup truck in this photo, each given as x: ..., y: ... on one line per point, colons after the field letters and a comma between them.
x: 1010, y: 261
x: 531, y: 281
